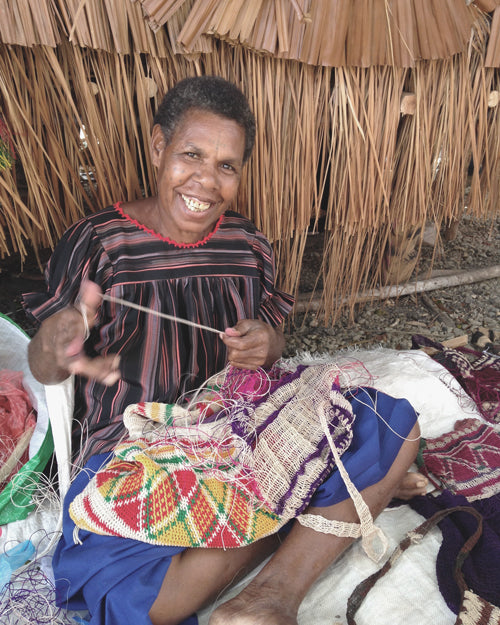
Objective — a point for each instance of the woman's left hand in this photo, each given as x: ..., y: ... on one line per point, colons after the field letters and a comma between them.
x: 251, y: 343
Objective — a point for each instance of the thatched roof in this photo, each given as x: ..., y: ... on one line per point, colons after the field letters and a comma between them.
x: 368, y: 111
x: 114, y: 25
x: 332, y: 33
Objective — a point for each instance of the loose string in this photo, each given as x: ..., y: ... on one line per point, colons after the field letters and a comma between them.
x: 156, y: 313
x: 373, y: 406
x: 82, y: 309
x: 29, y: 597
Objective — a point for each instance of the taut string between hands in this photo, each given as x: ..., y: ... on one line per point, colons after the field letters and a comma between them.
x: 150, y: 311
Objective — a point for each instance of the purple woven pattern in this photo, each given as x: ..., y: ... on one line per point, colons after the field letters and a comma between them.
x: 466, y: 460
x: 339, y: 424
x: 241, y: 423
x: 477, y: 372
x: 481, y: 569
x: 282, y: 427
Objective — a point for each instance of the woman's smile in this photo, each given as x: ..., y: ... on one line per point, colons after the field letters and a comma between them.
x: 195, y: 205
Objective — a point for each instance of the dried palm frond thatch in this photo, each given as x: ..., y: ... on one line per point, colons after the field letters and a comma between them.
x: 327, y: 32
x: 493, y: 52
x: 81, y: 132
x: 29, y: 23
x: 329, y: 83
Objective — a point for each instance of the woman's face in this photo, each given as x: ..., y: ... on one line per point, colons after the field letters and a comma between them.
x: 199, y: 173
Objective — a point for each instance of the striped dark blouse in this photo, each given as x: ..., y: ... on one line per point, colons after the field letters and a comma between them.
x: 227, y: 277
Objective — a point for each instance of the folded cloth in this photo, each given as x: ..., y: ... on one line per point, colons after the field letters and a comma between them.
x: 481, y: 569
x: 477, y: 372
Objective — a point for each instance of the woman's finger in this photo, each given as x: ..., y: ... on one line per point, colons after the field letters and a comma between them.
x: 104, y: 369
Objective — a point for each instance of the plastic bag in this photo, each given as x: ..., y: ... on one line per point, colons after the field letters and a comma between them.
x: 16, y: 498
x: 17, y: 423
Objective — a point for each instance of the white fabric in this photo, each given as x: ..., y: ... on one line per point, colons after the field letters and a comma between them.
x: 432, y: 391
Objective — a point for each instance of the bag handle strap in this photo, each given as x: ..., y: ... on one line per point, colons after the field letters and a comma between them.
x: 413, y: 537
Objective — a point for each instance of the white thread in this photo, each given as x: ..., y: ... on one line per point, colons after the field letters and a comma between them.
x: 117, y: 300
x: 373, y: 407
x: 82, y: 309
x: 76, y: 537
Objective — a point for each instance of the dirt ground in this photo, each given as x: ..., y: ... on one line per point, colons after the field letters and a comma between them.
x: 464, y: 312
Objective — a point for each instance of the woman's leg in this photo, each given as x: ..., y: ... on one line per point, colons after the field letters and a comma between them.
x: 196, y: 576
x: 275, y: 594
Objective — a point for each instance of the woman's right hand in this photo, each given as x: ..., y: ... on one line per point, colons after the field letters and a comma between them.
x: 57, y: 349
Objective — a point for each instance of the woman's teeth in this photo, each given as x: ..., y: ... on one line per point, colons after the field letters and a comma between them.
x: 195, y: 205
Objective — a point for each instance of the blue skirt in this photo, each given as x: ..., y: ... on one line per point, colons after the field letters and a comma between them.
x: 118, y: 579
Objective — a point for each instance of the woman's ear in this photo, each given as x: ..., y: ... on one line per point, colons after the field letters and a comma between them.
x: 157, y: 145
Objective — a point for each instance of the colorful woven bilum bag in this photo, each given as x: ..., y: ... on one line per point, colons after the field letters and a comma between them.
x: 231, y: 466
x: 25, y: 436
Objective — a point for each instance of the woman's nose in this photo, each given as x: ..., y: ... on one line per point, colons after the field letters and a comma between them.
x: 206, y: 174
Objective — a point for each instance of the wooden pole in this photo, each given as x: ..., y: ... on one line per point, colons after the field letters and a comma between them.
x: 306, y: 304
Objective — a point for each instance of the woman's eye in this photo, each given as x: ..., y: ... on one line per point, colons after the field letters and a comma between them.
x: 227, y: 167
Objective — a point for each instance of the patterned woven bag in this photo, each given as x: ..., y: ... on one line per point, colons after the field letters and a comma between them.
x: 465, y: 460
x: 474, y: 610
x: 226, y: 480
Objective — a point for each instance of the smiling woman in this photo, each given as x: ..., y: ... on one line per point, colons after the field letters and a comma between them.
x: 203, y: 134
x: 116, y: 283
x: 181, y: 254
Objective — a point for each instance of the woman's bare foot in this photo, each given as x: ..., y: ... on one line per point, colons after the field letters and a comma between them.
x: 256, y: 605
x: 411, y: 485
